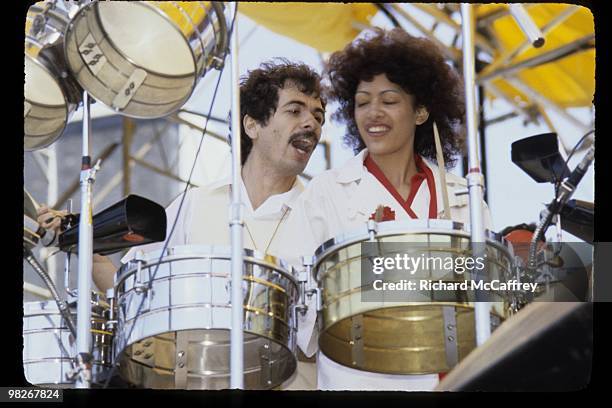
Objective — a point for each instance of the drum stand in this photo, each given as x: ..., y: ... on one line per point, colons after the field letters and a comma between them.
x: 236, y: 223
x: 85, y: 250
x: 474, y: 176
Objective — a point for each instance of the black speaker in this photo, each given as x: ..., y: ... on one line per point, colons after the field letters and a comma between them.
x: 131, y: 222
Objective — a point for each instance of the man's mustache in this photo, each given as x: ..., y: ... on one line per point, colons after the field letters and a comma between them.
x: 305, y: 135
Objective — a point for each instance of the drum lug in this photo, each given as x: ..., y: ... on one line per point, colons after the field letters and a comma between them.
x: 111, y: 322
x: 266, y: 360
x: 303, y: 293
x: 139, y: 286
x: 92, y: 55
x: 450, y: 336
x: 356, y: 342
x: 129, y: 89
x: 180, y: 369
x: 217, y: 62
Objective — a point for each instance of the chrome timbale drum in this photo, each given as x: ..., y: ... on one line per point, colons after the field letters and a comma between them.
x: 51, y: 95
x: 181, y: 336
x: 49, y: 347
x: 424, y: 332
x: 144, y: 58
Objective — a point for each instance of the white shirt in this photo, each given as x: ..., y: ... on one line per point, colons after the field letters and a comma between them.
x: 342, y: 200
x: 204, y: 219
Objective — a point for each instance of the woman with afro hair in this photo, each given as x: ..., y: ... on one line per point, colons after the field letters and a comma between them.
x: 394, y: 91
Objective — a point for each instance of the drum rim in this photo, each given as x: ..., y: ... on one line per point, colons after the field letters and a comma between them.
x: 68, y: 106
x: 389, y: 228
x: 61, y: 84
x: 94, y: 7
x: 64, y: 17
x: 121, y: 356
x: 395, y: 226
x: 280, y: 265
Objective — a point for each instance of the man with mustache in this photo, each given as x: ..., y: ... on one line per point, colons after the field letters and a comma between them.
x: 282, y: 112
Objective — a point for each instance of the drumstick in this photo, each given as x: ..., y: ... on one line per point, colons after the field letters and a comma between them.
x: 442, y: 172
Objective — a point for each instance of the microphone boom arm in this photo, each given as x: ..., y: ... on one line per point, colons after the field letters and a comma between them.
x: 566, y: 190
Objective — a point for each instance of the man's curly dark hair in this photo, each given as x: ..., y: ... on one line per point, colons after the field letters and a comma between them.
x: 259, y: 92
x: 415, y: 64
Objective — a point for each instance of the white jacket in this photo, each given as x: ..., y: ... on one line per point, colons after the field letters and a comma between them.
x: 339, y: 201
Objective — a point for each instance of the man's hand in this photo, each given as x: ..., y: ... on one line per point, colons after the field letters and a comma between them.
x: 50, y: 219
x: 103, y: 268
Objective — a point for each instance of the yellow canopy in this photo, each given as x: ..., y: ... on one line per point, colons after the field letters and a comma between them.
x: 326, y: 27
x: 568, y: 81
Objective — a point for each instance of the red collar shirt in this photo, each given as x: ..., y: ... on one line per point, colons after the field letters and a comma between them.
x: 342, y: 200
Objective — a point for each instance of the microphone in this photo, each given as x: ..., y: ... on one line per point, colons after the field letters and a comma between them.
x: 567, y: 188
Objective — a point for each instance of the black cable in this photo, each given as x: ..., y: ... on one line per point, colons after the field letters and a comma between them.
x: 212, y: 118
x: 183, y: 195
x: 565, y: 169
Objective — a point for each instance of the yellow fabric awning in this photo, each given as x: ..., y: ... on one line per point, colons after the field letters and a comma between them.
x: 568, y: 81
x: 326, y: 27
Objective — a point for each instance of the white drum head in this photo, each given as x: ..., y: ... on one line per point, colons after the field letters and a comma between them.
x: 161, y: 48
x: 41, y: 88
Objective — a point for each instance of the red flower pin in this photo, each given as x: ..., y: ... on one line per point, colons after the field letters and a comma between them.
x: 383, y: 214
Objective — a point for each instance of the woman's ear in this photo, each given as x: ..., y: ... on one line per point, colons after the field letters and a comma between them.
x: 250, y: 126
x: 422, y: 114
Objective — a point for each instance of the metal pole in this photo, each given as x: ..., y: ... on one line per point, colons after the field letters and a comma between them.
x: 474, y: 175
x: 236, y: 222
x: 52, y: 179
x: 482, y: 135
x: 128, y: 136
x: 530, y: 29
x: 563, y: 51
x: 85, y: 256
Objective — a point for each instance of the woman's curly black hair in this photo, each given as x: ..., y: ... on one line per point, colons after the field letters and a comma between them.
x: 259, y: 92
x: 415, y: 64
